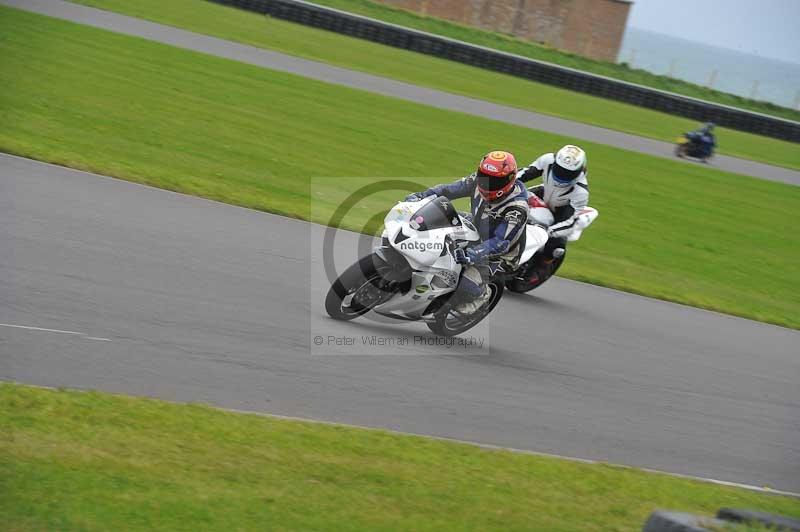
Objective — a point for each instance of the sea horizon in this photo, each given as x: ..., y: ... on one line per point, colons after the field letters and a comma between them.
x: 736, y: 72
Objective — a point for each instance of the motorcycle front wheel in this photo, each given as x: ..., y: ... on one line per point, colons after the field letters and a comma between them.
x: 451, y: 323
x: 359, y: 289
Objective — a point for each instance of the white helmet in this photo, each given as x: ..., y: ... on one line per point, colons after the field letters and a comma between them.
x: 570, y: 163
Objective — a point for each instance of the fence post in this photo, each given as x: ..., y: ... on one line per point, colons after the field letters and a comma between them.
x: 672, y: 68
x: 712, y: 79
x: 754, y: 90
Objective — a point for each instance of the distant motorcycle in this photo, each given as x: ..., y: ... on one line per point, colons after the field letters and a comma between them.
x: 689, y: 145
x: 412, y: 274
x: 534, y: 268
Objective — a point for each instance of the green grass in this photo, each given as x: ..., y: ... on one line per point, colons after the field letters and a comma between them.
x: 184, y: 121
x: 255, y: 30
x: 91, y: 461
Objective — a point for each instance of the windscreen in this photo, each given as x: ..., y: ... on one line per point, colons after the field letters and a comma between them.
x: 435, y: 215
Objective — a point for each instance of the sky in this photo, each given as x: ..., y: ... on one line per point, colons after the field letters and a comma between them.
x: 768, y: 28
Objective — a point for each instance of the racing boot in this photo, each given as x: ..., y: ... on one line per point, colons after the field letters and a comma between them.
x: 472, y: 303
x: 554, y: 256
x: 471, y: 292
x: 472, y: 306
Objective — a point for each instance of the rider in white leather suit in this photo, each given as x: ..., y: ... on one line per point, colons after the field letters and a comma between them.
x: 564, y: 189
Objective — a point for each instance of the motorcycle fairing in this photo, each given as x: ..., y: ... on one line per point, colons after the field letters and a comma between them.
x: 428, y: 252
x: 535, y: 239
x: 424, y: 249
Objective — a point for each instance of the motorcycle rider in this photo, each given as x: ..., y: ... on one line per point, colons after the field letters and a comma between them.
x: 499, y: 210
x: 703, y: 140
x: 564, y: 189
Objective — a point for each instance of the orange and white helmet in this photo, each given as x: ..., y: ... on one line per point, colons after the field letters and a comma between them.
x: 496, y: 175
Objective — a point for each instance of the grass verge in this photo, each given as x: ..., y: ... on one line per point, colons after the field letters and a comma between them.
x: 303, y: 41
x: 91, y: 461
x: 198, y: 124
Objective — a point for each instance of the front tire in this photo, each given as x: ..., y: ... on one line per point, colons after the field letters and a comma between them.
x: 449, y: 323
x: 359, y: 289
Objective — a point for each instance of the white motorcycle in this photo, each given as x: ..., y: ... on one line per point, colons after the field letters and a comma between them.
x: 535, y: 269
x: 412, y: 273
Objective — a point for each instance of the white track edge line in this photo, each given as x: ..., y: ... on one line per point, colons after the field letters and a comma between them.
x: 40, y: 329
x: 74, y: 333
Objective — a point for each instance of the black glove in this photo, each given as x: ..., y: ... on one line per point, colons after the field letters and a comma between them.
x: 463, y: 257
x: 413, y: 197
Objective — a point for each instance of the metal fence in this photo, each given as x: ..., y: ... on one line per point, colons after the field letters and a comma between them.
x: 523, y: 67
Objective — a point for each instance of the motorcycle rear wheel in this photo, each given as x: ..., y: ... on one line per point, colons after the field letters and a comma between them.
x: 450, y: 323
x: 526, y: 284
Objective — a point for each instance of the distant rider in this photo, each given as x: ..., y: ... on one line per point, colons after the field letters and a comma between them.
x: 564, y: 189
x: 499, y: 209
x: 703, y: 141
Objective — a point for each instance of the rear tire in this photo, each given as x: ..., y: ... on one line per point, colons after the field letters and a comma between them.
x: 358, y: 290
x: 456, y: 324
x: 543, y: 273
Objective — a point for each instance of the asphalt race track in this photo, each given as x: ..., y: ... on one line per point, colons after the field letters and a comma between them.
x: 114, y: 286
x: 397, y: 89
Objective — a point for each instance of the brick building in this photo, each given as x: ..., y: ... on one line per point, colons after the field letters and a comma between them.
x: 592, y: 28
